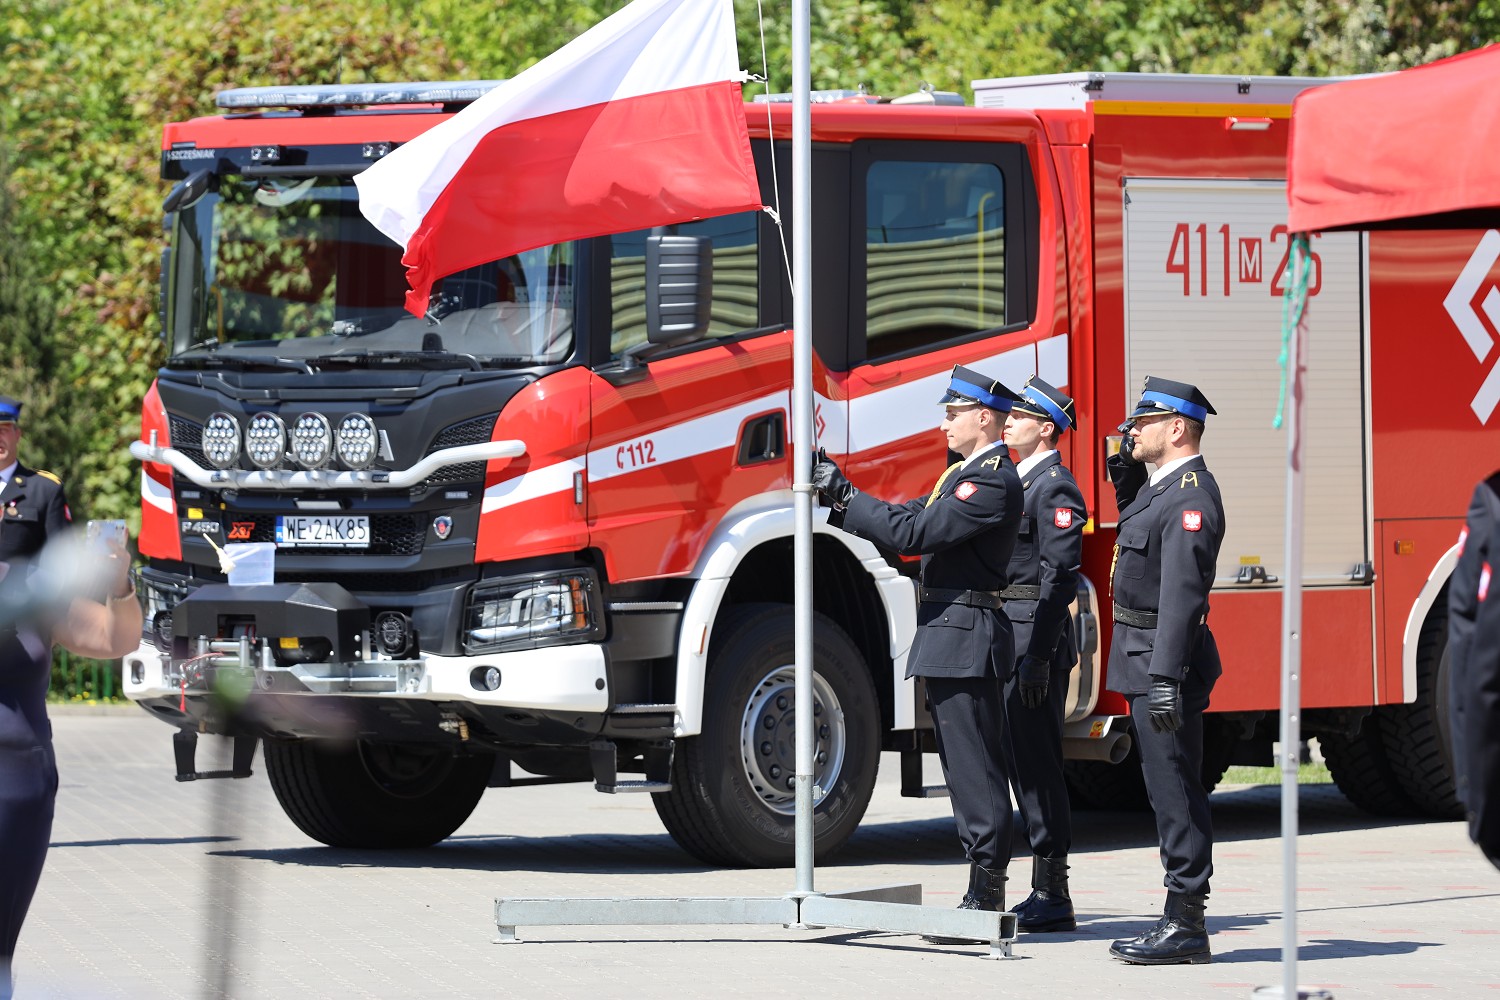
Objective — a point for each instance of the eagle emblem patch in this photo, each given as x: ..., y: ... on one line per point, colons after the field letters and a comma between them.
x: 965, y: 490
x: 1063, y: 518
x: 1192, y: 520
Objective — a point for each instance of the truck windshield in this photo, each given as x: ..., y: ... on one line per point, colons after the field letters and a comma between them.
x: 288, y: 268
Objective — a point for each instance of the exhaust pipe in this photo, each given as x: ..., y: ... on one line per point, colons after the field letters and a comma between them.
x: 1111, y: 747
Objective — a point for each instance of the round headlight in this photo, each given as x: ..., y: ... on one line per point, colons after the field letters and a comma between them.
x: 221, y: 440
x: 312, y: 441
x: 357, y: 441
x: 265, y: 440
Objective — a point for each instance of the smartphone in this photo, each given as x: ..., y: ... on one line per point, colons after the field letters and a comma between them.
x: 101, y: 534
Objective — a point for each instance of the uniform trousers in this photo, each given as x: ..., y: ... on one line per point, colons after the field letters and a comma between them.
x: 1172, y: 764
x: 28, y: 788
x: 969, y: 723
x: 1034, y: 751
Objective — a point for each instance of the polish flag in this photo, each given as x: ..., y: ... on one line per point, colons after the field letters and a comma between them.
x: 637, y: 122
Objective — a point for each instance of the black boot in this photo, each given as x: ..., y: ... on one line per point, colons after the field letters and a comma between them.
x: 986, y: 892
x: 1179, y: 936
x: 1049, y: 907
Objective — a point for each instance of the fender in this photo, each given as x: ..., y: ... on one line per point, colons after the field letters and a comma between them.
x: 1436, y: 580
x: 746, y: 526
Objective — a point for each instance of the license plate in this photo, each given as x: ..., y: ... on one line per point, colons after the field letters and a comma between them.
x: 323, y: 531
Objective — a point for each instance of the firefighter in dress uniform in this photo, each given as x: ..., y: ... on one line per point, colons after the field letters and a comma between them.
x: 964, y: 532
x: 1043, y: 582
x: 1162, y: 655
x: 1474, y: 668
x: 32, y: 505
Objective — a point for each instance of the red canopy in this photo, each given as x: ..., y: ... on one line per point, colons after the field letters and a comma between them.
x: 1419, y: 149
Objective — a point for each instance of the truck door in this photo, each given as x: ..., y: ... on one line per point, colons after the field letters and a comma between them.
x: 1206, y: 269
x: 942, y: 272
x: 697, y: 430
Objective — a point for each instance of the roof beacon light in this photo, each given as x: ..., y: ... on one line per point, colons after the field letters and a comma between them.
x: 355, y: 95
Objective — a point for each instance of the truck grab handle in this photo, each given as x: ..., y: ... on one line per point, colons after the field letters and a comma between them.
x: 326, y: 479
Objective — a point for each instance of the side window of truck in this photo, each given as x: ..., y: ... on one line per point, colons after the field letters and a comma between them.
x: 736, y: 253
x: 934, y: 253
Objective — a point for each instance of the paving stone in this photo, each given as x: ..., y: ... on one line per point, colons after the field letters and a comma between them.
x: 155, y: 889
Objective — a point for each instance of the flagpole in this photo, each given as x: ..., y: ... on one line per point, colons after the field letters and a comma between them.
x: 802, y: 436
x: 892, y: 909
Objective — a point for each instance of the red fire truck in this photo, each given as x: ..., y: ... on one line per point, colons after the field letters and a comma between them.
x: 544, y: 532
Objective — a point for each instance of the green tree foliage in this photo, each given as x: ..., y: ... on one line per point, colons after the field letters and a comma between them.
x: 28, y: 337
x: 84, y: 92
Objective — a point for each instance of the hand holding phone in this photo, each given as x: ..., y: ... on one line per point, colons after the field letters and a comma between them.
x: 107, y: 538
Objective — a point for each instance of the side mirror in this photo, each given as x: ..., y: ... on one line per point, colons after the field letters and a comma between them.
x: 679, y: 289
x: 188, y: 190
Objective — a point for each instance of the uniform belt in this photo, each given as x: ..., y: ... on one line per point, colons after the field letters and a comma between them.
x: 971, y: 598
x: 1021, y: 592
x: 1143, y: 619
x: 1135, y: 619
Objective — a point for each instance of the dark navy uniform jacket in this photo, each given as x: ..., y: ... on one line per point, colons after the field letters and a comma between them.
x: 33, y: 509
x: 965, y: 533
x: 1474, y: 651
x: 1165, y: 557
x: 1048, y: 553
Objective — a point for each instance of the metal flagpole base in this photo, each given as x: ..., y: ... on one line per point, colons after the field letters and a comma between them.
x: 892, y: 909
x: 1275, y: 992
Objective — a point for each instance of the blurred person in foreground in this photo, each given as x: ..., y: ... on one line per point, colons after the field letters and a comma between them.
x: 1474, y: 668
x: 40, y: 605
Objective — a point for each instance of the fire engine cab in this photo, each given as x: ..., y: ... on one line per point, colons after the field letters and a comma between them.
x: 544, y: 532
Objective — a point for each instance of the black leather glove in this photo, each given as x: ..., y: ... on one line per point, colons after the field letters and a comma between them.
x: 1164, y: 705
x: 1031, y: 674
x: 1127, y: 446
x: 830, y: 482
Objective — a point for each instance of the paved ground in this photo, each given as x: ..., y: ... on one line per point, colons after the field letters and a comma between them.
x: 155, y: 889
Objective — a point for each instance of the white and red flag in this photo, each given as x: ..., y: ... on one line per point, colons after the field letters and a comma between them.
x: 637, y: 122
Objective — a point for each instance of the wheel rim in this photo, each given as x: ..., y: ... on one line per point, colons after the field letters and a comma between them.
x: 768, y: 739
x: 405, y: 772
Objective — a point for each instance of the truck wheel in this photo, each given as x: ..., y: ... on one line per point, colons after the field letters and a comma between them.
x: 1360, y: 768
x: 1098, y: 784
x: 373, y: 795
x: 732, y: 801
x: 1416, y: 737
x: 1220, y: 737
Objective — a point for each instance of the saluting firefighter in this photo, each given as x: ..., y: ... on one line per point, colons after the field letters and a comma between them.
x: 1162, y: 656
x: 964, y: 532
x: 1043, y: 582
x: 1474, y: 667
x: 32, y: 505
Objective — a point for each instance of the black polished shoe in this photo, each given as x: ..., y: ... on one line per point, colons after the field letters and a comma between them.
x: 1049, y: 907
x: 1179, y: 936
x: 986, y: 892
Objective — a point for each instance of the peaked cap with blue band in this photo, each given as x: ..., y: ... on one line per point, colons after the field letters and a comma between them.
x: 1162, y: 395
x: 10, y: 410
x: 1045, y: 402
x: 966, y: 387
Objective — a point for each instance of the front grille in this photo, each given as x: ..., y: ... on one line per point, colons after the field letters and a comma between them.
x: 377, y: 583
x: 187, y: 437
x: 475, y: 431
x: 391, y: 534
